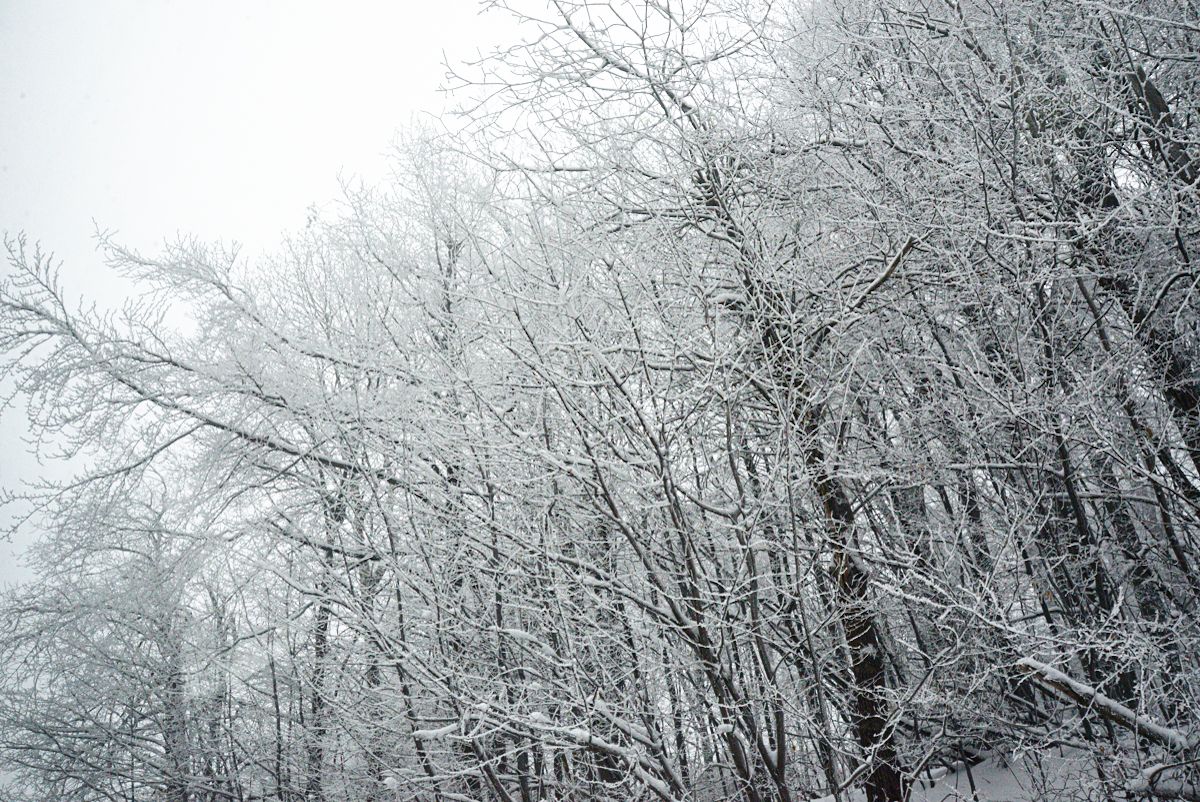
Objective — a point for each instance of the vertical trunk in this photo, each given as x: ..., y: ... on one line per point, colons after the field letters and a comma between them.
x: 884, y: 780
x: 176, y: 747
x: 313, y: 785
x: 175, y: 741
x: 1174, y: 363
x: 277, y: 768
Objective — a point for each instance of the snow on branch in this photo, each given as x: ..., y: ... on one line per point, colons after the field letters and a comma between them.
x: 1088, y: 697
x: 436, y: 734
x: 1150, y: 785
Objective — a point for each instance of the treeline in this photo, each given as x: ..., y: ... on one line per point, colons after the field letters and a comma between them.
x: 748, y: 401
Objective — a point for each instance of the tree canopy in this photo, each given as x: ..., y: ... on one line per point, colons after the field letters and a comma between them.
x: 742, y: 400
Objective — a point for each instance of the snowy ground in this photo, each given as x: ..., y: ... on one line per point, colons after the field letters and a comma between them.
x: 1056, y: 775
x: 998, y: 781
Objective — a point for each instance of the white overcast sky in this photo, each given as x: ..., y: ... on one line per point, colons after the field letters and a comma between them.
x: 222, y: 118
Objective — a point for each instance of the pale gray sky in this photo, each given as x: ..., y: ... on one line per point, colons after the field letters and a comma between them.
x: 222, y: 118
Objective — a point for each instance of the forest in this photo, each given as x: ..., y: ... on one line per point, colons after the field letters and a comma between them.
x: 764, y: 400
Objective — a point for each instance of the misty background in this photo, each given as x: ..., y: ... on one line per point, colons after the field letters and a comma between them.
x: 223, y: 120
